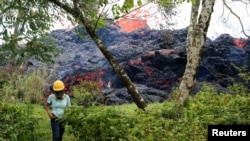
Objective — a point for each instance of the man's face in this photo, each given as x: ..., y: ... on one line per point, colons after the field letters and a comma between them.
x: 59, y: 94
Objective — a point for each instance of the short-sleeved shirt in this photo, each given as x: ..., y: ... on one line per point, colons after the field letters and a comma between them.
x: 58, y: 105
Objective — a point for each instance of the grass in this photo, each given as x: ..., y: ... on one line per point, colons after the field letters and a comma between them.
x: 44, y: 124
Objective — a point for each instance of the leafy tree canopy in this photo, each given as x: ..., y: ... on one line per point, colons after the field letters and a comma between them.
x: 24, y: 26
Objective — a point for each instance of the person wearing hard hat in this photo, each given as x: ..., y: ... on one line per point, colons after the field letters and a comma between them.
x: 55, y: 105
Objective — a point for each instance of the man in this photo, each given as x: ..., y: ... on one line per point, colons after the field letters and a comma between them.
x: 55, y: 105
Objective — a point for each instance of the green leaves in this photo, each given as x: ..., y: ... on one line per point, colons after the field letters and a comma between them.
x: 88, y: 93
x: 16, y: 123
x: 165, y: 121
x: 161, y: 121
x: 23, y: 23
x: 128, y: 4
x: 192, y: 1
x: 125, y: 8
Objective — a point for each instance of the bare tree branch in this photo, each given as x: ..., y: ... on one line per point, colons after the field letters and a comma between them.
x: 137, y: 8
x: 238, y: 17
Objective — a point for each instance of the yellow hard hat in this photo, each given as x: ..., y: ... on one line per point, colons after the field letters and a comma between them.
x: 58, y: 85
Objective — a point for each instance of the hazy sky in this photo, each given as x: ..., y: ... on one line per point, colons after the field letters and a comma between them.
x: 222, y: 21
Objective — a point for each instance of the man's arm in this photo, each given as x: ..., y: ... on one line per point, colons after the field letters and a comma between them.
x: 47, y: 108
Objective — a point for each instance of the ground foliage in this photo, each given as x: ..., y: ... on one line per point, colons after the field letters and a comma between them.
x: 17, y: 123
x: 166, y: 121
x: 87, y: 93
x: 161, y: 121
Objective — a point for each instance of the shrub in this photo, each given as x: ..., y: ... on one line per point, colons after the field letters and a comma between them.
x: 170, y: 121
x: 87, y: 93
x: 17, y: 123
x: 102, y: 124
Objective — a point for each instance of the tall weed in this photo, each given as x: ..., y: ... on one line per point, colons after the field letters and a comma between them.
x: 24, y: 87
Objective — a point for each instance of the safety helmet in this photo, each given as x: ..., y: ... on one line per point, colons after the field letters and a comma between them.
x: 58, y: 85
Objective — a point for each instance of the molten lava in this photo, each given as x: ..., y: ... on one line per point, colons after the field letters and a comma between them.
x: 135, y: 20
x: 95, y: 76
x: 240, y: 42
x: 76, y: 78
x: 129, y: 25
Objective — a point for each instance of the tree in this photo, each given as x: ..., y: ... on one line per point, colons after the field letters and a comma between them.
x: 196, y: 39
x: 24, y: 27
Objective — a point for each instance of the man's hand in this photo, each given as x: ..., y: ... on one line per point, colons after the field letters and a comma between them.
x: 51, y: 115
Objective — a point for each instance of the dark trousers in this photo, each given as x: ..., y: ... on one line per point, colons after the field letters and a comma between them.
x: 57, y: 129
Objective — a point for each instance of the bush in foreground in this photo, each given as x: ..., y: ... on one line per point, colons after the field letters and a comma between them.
x: 17, y: 123
x: 163, y: 122
x: 166, y: 121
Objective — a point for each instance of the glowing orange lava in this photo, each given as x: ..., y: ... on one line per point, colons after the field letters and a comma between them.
x: 240, y: 42
x: 135, y: 20
x: 129, y: 25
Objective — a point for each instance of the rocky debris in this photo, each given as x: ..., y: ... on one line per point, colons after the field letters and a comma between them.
x: 151, y: 62
x: 121, y: 95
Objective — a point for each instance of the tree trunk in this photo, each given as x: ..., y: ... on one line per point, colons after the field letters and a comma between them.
x: 195, y: 42
x: 132, y: 90
x: 120, y: 71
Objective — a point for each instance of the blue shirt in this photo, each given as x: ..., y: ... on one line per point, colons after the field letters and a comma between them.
x: 58, y: 105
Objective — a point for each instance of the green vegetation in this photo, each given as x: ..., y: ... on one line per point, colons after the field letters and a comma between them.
x: 25, y: 27
x: 23, y: 117
x: 27, y: 88
x: 87, y: 93
x: 168, y: 121
x: 161, y: 121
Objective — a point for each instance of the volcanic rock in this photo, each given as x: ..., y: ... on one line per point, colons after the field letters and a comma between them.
x: 153, y: 63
